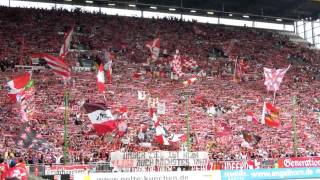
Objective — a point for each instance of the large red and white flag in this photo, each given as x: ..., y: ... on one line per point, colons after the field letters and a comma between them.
x: 20, y: 81
x: 16, y: 86
x: 273, y: 78
x: 101, y: 80
x: 66, y: 43
x: 58, y: 66
x: 160, y: 136
x: 154, y: 47
x: 101, y: 117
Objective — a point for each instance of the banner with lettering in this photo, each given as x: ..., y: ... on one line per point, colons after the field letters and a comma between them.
x: 159, y: 158
x: 299, y: 162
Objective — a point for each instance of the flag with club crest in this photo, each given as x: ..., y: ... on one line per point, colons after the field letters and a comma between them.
x: 273, y: 78
x: 101, y: 117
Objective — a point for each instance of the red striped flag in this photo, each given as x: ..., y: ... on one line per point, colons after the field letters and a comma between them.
x: 66, y: 44
x: 59, y: 67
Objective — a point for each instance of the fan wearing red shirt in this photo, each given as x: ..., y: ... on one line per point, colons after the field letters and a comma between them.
x: 3, y: 169
x: 17, y: 172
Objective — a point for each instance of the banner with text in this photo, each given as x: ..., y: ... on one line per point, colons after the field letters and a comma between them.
x: 299, y: 162
x: 159, y: 158
x: 186, y: 175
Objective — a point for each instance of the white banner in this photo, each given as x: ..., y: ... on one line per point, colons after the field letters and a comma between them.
x: 159, y: 158
x: 177, y: 175
x: 80, y: 69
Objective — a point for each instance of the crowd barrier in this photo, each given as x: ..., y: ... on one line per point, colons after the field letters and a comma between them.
x: 107, y: 167
x: 248, y: 174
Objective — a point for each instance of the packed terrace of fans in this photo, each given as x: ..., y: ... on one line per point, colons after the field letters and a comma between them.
x: 37, y: 31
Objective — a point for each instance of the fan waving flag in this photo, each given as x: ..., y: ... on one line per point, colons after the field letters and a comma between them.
x: 154, y: 47
x: 101, y: 80
x: 66, y: 44
x: 273, y: 78
x: 59, y: 67
x: 17, y: 85
x: 101, y: 118
x: 270, y: 115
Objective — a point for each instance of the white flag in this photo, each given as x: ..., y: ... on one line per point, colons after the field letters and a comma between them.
x: 161, y: 108
x: 141, y: 95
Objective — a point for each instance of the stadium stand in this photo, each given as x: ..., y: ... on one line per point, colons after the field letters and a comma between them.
x: 27, y: 31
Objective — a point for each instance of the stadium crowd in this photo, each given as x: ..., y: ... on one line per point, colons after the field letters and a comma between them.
x: 27, y: 31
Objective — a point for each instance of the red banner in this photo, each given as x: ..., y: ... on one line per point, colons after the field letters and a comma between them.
x: 299, y: 162
x: 234, y: 165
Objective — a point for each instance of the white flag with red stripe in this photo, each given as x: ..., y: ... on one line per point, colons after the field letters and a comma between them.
x: 160, y: 138
x: 154, y: 48
x: 66, y: 44
x: 101, y: 118
x: 273, y: 78
x: 101, y: 80
x: 59, y: 67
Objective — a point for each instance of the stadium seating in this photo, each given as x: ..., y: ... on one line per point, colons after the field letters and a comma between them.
x: 27, y: 31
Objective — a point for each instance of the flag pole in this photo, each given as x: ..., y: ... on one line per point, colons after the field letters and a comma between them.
x: 188, y: 122
x: 274, y: 97
x: 235, y: 69
x: 65, y: 135
x: 294, y: 126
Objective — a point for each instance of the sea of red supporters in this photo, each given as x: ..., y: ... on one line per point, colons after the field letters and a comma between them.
x: 27, y: 31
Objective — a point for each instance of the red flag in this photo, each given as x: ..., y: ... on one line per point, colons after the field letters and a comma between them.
x: 20, y: 81
x: 101, y: 80
x: 270, y: 115
x: 224, y: 130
